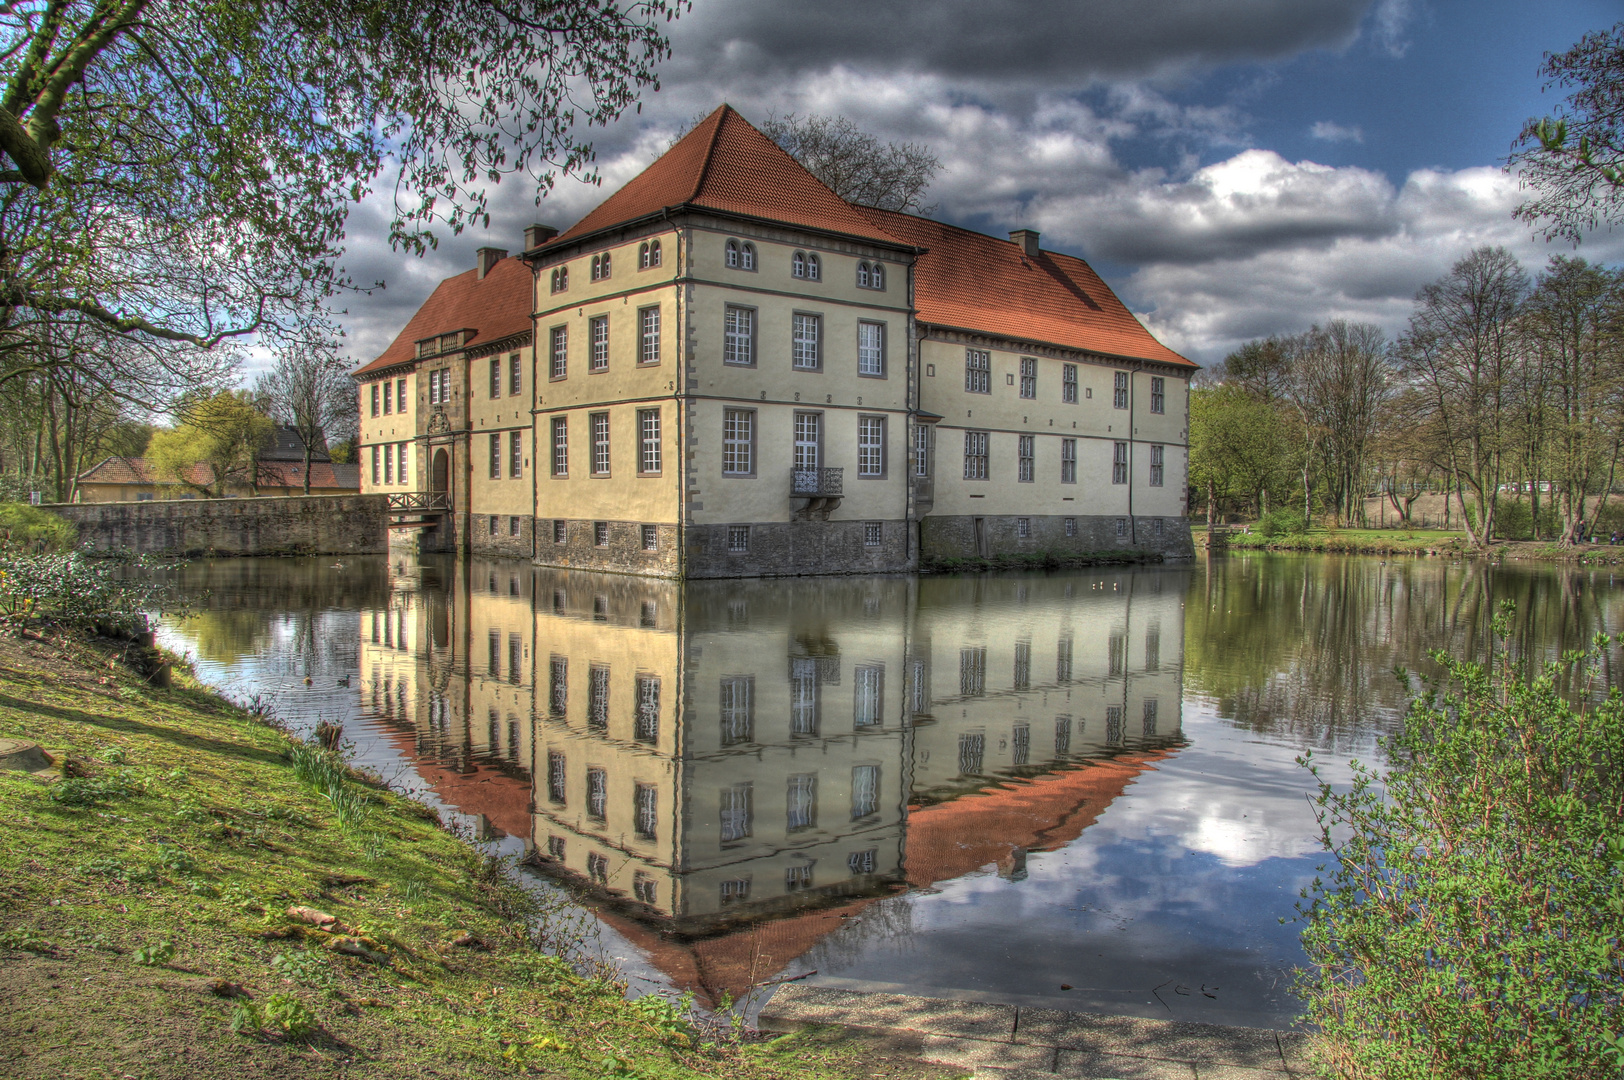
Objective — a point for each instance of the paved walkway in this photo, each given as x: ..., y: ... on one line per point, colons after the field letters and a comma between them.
x: 1019, y: 1043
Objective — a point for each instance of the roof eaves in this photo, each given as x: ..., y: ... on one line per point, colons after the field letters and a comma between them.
x: 1187, y: 365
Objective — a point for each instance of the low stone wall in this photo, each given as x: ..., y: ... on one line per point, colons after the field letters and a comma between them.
x: 954, y: 537
x: 297, y: 525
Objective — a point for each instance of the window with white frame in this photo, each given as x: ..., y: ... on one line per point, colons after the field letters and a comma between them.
x: 600, y: 538
x: 921, y: 465
x: 747, y: 256
x: 871, y: 446
x: 1119, y: 463
x: 975, y: 455
x: 739, y: 336
x: 1026, y: 468
x: 736, y: 799
x: 814, y: 268
x: 560, y: 349
x: 561, y: 533
x: 388, y: 400
x: 1119, y: 390
x: 807, y: 332
x: 400, y: 453
x: 1071, y: 526
x: 1068, y: 462
x: 868, y: 681
x: 496, y: 455
x: 871, y: 349
x: 648, y: 255
x: 561, y: 279
x: 977, y: 371
x: 730, y: 254
x: 648, y: 447
x: 515, y: 375
x: 515, y: 455
x: 400, y: 395
x: 377, y: 467
x: 738, y: 442
x: 801, y: 802
x: 374, y: 399
x: 1158, y: 394
x: 1023, y: 527
x: 651, y: 541
x: 645, y: 810
x: 600, y: 444
x: 1156, y: 471
x: 496, y: 376
x: 647, y: 725
x: 876, y: 276
x: 738, y: 709
x: 599, y: 329
x: 514, y: 529
x: 865, y: 793
x: 648, y: 332
x: 561, y: 446
x: 1122, y: 526
x: 862, y: 275
x: 808, y: 440
x: 1029, y: 377
x: 797, y: 265
x: 600, y: 267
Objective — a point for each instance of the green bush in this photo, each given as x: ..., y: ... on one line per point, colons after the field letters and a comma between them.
x: 27, y: 528
x: 86, y: 594
x: 1470, y: 925
x: 1283, y: 523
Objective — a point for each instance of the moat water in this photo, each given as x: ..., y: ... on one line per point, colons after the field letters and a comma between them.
x: 1076, y: 790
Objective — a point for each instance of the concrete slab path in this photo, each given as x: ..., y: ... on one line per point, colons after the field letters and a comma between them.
x: 1019, y: 1043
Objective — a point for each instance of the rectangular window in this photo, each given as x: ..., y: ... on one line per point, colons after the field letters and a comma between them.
x: 645, y: 888
x: 1068, y: 462
x: 1113, y: 724
x: 598, y: 328
x: 1028, y: 455
x: 560, y: 352
x: 738, y: 442
x: 648, y: 333
x: 862, y: 862
x: 600, y: 533
x: 401, y: 456
x: 558, y: 685
x: 600, y: 444
x: 1158, y: 394
x: 496, y: 456
x: 1156, y: 472
x: 493, y: 530
x: 1122, y: 526
x: 556, y: 776
x: 738, y: 538
x: 921, y: 450
x: 597, y: 794
x: 597, y: 697
x: 801, y: 802
x: 1119, y: 463
x: 1071, y: 526
x: 648, y: 708
x: 648, y: 447
x: 873, y: 534
x: 496, y: 376
x: 1148, y: 722
x: 1062, y: 661
x: 805, y: 696
x: 806, y: 336
x: 865, y: 791
x: 1153, y: 648
x: 739, y: 338
x: 651, y: 538
x: 515, y: 657
x: 973, y: 671
x: 977, y: 372
x: 377, y: 467
x: 1023, y: 665
x: 374, y: 399
x: 798, y: 878
x: 515, y: 454
x: 494, y: 653
x: 738, y: 708
x: 515, y: 374
x: 400, y: 402
x: 871, y: 446
x: 388, y: 466
x: 1119, y: 395
x: 975, y: 455
x: 1116, y: 653
x: 388, y: 399
x: 869, y: 692
x: 1068, y: 384
x: 871, y: 349
x: 1029, y: 377
x: 808, y: 441
x: 645, y: 810
x: 735, y: 816
x: 972, y: 751
x: 1020, y: 744
x: 1023, y: 527
x: 560, y: 531
x: 736, y: 890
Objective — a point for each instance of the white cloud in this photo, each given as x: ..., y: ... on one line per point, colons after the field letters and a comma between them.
x: 1333, y: 132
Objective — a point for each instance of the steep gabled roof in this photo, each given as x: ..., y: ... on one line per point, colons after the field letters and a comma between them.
x: 972, y: 281
x: 494, y: 307
x: 725, y: 164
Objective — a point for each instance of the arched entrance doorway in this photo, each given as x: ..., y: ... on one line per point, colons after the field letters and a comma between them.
x: 440, y: 474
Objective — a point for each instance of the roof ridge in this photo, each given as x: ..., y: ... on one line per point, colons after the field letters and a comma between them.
x: 710, y: 150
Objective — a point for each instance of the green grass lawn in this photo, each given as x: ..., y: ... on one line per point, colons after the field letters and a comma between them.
x: 1372, y: 541
x: 144, y: 925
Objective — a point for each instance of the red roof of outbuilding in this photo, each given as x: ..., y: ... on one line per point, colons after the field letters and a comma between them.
x: 725, y: 164
x: 972, y: 281
x: 494, y: 307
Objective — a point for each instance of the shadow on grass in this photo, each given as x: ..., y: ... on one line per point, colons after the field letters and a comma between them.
x: 184, y: 739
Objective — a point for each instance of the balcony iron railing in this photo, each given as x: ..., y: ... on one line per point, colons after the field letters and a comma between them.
x: 816, y: 483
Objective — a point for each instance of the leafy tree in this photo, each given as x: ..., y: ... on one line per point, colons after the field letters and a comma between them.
x: 178, y: 174
x: 1574, y: 161
x: 223, y: 433
x: 310, y: 390
x: 1240, y: 446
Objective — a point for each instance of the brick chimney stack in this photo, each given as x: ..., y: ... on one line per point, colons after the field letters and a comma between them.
x: 537, y: 235
x: 488, y: 257
x: 1026, y: 240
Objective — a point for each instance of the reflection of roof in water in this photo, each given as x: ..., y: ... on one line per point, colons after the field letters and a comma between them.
x: 479, y: 786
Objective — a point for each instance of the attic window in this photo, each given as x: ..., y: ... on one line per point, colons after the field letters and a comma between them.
x: 797, y: 265
x: 870, y: 276
x: 429, y: 347
x: 600, y: 267
x: 561, y: 279
x: 648, y: 255
x: 740, y: 256
x: 814, y: 268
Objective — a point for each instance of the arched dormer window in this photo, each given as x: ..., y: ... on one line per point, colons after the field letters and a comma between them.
x: 561, y: 279
x: 600, y: 267
x: 797, y: 265
x: 648, y: 255
x: 814, y: 268
x: 642, y: 256
x: 862, y: 275
x: 732, y: 258
x: 876, y: 276
x: 747, y: 256
x: 654, y: 253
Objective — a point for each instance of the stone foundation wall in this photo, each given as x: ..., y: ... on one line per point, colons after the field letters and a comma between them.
x: 503, y: 542
x: 798, y: 547
x: 954, y: 537
x: 296, y: 525
x: 622, y: 552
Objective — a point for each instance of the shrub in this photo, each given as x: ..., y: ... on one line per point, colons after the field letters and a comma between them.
x: 81, y: 593
x: 25, y: 528
x: 289, y: 1015
x: 1470, y: 925
x: 1283, y: 523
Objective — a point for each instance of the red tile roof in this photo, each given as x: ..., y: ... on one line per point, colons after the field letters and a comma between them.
x: 494, y: 307
x: 725, y: 164
x: 971, y: 281
x: 272, y: 474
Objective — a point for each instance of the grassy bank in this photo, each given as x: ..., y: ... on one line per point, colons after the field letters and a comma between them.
x: 1416, y: 542
x: 150, y: 922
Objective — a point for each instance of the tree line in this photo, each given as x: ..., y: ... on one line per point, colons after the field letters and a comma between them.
x: 1505, y: 394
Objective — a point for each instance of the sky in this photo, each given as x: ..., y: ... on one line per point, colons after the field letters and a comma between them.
x: 1232, y: 168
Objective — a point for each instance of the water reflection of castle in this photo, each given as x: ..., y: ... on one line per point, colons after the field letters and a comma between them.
x: 732, y: 767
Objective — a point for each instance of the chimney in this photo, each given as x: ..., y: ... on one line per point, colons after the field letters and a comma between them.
x: 488, y: 257
x: 537, y: 235
x: 1026, y: 240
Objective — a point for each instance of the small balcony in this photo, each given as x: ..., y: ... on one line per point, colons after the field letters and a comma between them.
x: 820, y: 488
